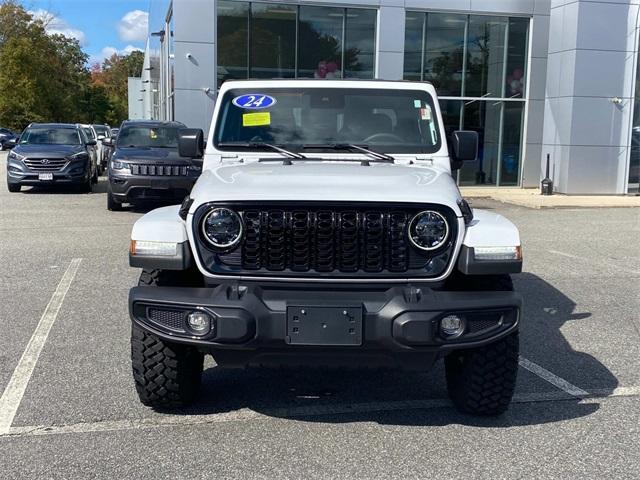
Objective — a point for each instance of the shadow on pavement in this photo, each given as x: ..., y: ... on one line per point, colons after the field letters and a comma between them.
x: 286, y: 393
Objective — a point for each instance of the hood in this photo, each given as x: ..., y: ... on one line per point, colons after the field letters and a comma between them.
x: 48, y: 151
x: 151, y: 154
x: 326, y: 181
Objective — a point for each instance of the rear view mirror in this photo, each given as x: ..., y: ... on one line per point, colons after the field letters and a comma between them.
x: 191, y: 143
x: 464, y: 145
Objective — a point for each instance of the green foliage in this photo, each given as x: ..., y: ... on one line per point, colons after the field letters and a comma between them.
x: 45, y: 77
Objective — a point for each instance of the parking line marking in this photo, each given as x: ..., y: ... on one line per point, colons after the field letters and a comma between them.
x: 595, y: 261
x: 13, y: 393
x: 245, y: 414
x: 552, y: 378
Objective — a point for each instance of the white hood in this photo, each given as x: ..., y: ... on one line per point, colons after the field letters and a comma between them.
x: 326, y: 181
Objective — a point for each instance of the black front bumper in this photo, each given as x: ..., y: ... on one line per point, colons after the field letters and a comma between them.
x: 128, y: 188
x: 399, y: 325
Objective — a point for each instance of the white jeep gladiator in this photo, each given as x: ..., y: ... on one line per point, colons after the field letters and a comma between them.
x: 326, y: 230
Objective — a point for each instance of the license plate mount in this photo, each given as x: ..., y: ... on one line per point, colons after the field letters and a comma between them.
x: 45, y: 176
x: 324, y: 326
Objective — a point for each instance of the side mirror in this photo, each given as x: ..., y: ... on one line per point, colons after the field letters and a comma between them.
x: 464, y: 147
x: 91, y: 143
x: 107, y: 141
x: 191, y: 143
x: 101, y: 137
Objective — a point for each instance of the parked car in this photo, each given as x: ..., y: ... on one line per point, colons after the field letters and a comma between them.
x: 104, y: 149
x: 326, y: 230
x: 91, y: 133
x: 52, y: 154
x: 8, y: 139
x: 146, y: 165
x: 114, y: 132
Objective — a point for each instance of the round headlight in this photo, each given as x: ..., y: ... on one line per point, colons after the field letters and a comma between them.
x: 428, y: 230
x: 222, y: 228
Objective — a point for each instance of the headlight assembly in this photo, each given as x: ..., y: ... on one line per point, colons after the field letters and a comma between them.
x: 428, y: 230
x: 16, y: 156
x: 118, y: 165
x: 222, y: 228
x: 79, y: 156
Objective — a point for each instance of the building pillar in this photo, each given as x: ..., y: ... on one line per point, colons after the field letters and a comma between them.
x: 588, y: 101
x: 390, y: 41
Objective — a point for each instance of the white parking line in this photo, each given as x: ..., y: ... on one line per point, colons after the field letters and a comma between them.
x: 553, y: 379
x: 245, y: 414
x: 13, y: 393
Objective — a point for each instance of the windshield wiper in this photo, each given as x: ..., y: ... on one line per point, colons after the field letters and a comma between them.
x: 262, y: 145
x: 352, y: 146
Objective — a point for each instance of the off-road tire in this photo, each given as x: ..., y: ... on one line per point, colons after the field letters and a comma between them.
x: 166, y: 375
x: 14, y: 187
x: 87, y: 185
x: 482, y: 380
x: 112, y: 204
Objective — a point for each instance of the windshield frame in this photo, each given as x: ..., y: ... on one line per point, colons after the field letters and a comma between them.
x: 227, y: 95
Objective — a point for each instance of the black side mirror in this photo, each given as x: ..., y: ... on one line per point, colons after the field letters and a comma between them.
x: 91, y: 143
x: 107, y: 141
x: 191, y: 143
x: 464, y: 146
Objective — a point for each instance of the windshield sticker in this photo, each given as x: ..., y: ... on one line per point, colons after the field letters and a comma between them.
x: 425, y: 113
x: 254, y: 101
x: 417, y: 103
x: 256, y: 119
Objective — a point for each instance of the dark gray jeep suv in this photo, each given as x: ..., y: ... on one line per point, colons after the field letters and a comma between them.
x: 146, y: 165
x: 52, y: 154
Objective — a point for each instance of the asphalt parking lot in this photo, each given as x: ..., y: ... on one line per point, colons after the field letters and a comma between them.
x: 576, y: 413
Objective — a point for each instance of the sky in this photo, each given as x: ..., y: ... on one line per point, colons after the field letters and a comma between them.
x: 103, y: 27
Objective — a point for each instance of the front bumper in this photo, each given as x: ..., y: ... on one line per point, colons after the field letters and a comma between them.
x: 399, y: 325
x: 74, y: 172
x: 127, y: 188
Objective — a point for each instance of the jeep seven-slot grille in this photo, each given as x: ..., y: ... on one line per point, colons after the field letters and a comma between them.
x: 45, y: 164
x: 159, y: 169
x: 325, y: 240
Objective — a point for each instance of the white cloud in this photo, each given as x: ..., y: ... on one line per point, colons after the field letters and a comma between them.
x: 134, y: 26
x: 56, y: 25
x: 109, y: 51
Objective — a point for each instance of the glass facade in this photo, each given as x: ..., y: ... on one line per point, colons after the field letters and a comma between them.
x: 267, y: 40
x: 634, y: 154
x: 478, y: 64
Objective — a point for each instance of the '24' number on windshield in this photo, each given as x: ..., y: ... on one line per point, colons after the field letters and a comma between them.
x: 254, y: 101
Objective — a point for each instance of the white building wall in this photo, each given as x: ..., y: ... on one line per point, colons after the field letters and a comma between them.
x: 135, y: 100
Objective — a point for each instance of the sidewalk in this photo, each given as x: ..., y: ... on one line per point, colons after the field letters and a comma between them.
x: 530, y: 197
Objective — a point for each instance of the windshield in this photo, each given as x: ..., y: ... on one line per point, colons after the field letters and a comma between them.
x: 104, y: 131
x: 400, y: 121
x: 50, y: 136
x: 89, y: 133
x: 139, y: 136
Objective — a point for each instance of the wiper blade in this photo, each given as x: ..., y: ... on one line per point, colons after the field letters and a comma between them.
x: 262, y: 145
x: 352, y: 146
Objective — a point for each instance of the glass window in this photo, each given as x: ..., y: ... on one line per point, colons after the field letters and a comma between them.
x: 451, y: 115
x: 320, y: 47
x: 50, y: 136
x: 141, y: 136
x: 233, y: 18
x: 273, y: 41
x: 444, y: 52
x: 413, y: 45
x: 516, y: 58
x: 511, y: 142
x: 485, y: 56
x: 484, y: 118
x: 386, y: 120
x: 634, y: 157
x: 360, y: 41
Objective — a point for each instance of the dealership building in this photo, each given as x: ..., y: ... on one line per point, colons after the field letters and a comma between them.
x: 532, y: 77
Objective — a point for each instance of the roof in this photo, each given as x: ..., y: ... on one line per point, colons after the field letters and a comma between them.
x: 154, y: 123
x: 54, y: 125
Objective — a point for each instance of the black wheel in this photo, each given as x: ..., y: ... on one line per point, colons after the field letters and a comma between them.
x: 482, y: 380
x: 14, y: 187
x: 113, y: 204
x: 166, y: 375
x: 86, y: 186
x: 94, y: 177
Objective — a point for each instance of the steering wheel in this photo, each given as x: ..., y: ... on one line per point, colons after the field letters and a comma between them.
x: 382, y: 136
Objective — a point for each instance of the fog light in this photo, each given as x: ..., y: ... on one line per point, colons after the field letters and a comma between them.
x: 199, y: 322
x: 451, y: 326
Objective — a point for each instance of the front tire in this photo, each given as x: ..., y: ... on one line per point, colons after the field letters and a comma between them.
x: 166, y: 375
x: 481, y: 381
x: 112, y: 204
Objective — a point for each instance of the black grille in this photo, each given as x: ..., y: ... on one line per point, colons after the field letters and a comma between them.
x: 159, y: 170
x: 49, y: 165
x: 172, y: 319
x: 328, y: 241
